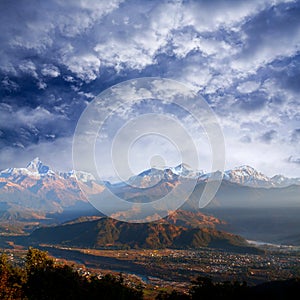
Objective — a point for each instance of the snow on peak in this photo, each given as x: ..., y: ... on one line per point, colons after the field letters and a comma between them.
x: 244, y: 175
x: 78, y: 175
x: 185, y: 171
x: 248, y: 176
x: 279, y: 178
x: 181, y: 169
x: 282, y: 181
x: 245, y: 169
x: 36, y: 166
x: 84, y: 176
x: 153, y: 176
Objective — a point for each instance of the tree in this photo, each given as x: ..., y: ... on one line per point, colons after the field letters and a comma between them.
x: 11, y: 280
x: 37, y: 260
x: 112, y: 288
x: 49, y: 281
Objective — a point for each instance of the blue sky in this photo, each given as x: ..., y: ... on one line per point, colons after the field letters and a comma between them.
x: 243, y: 57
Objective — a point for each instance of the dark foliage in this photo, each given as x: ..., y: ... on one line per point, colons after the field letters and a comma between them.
x: 205, y: 289
x: 11, y: 280
x: 41, y: 279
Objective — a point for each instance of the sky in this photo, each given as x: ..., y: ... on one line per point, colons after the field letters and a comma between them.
x: 242, y: 57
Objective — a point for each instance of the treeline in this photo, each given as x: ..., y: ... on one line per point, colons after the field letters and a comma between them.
x: 42, y: 279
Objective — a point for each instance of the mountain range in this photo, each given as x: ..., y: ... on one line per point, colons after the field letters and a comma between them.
x: 243, y: 175
x: 247, y: 203
x: 37, y: 189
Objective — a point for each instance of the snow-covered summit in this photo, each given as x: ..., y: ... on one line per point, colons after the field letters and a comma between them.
x: 185, y: 171
x: 282, y: 181
x: 247, y: 175
x: 244, y: 175
x: 79, y: 175
x: 36, y: 166
x: 35, y: 169
x: 155, y: 175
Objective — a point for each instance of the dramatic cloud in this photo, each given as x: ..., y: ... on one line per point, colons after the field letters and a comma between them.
x: 242, y: 56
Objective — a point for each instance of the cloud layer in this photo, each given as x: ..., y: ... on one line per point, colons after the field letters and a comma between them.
x: 243, y: 57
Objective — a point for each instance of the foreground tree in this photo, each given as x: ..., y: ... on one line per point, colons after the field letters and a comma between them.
x: 49, y: 281
x: 11, y: 280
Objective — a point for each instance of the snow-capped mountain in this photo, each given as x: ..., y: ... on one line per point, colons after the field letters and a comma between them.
x: 37, y: 170
x: 34, y: 169
x: 184, y: 170
x: 38, y: 187
x: 80, y: 175
x: 36, y: 166
x: 282, y: 181
x: 246, y: 175
x: 153, y: 176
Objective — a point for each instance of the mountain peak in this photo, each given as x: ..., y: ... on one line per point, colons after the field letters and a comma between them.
x: 36, y: 160
x: 37, y: 166
x: 248, y: 176
x: 245, y: 168
x: 282, y: 181
x: 183, y: 166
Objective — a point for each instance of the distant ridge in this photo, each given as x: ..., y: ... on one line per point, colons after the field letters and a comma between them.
x: 109, y: 233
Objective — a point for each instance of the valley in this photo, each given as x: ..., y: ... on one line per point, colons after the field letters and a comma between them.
x: 156, y: 269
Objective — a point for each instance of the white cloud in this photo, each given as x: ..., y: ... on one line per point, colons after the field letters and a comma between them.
x: 50, y: 70
x: 210, y: 15
x: 195, y: 77
x: 121, y: 55
x: 79, y: 16
x: 26, y: 117
x: 28, y: 67
x: 248, y: 87
x: 86, y: 66
x: 41, y: 85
